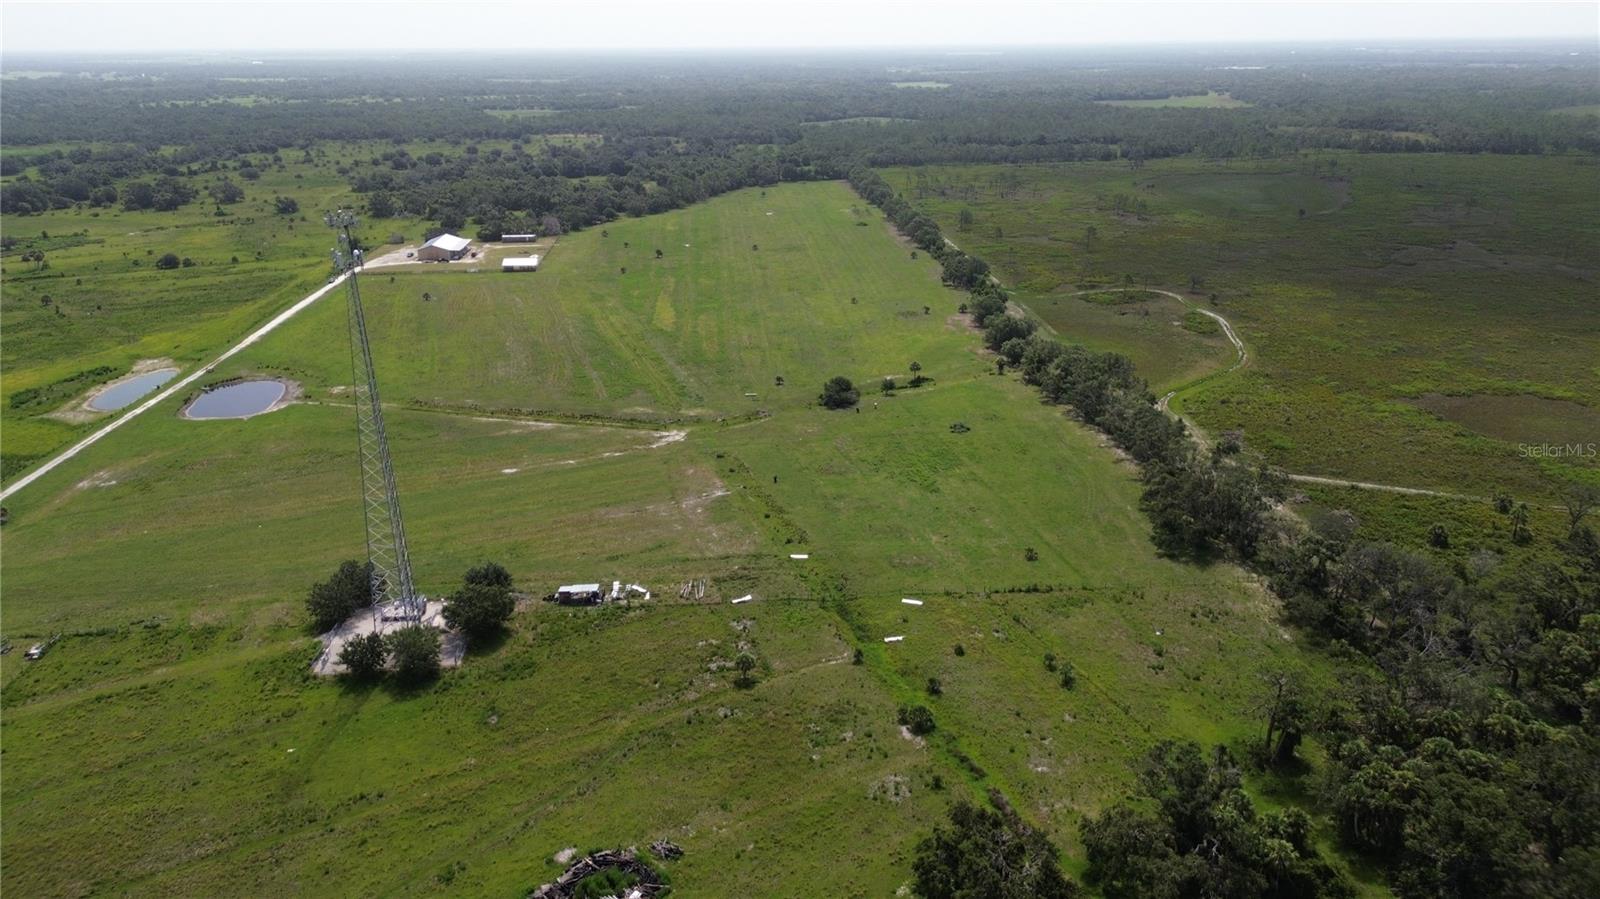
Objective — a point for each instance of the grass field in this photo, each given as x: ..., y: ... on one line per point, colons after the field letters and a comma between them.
x: 724, y: 312
x: 1361, y: 284
x: 174, y: 744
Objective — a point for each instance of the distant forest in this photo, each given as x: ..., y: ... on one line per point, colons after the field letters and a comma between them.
x: 662, y: 131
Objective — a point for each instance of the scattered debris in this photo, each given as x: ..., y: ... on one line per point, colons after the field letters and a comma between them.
x: 37, y: 650
x: 801, y: 556
x: 745, y: 598
x: 694, y: 589
x: 649, y: 883
x: 894, y: 788
x: 566, y: 855
x: 910, y: 602
x: 895, y: 639
x: 594, y: 594
x: 666, y: 850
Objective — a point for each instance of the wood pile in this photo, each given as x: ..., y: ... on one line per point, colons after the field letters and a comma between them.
x: 627, y: 860
x: 666, y: 851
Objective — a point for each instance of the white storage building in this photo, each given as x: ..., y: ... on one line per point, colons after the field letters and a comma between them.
x: 520, y: 264
x: 444, y: 247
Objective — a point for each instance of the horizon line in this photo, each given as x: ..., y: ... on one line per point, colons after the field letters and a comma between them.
x: 1348, y: 42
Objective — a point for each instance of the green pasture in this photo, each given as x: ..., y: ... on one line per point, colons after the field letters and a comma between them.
x: 1360, y: 283
x: 152, y: 745
x: 780, y: 283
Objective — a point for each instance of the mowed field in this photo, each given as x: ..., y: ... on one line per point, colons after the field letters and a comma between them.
x: 1362, y: 284
x: 781, y: 285
x: 581, y: 424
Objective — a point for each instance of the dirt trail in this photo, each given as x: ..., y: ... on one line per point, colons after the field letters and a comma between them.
x: 178, y: 387
x: 1387, y: 488
x: 1243, y: 357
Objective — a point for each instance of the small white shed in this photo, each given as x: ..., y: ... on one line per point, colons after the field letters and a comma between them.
x: 520, y: 264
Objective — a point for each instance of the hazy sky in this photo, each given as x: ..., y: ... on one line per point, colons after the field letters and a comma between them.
x: 222, y: 25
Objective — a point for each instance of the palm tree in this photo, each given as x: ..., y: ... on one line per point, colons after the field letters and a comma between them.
x: 915, y: 377
x: 1519, y: 524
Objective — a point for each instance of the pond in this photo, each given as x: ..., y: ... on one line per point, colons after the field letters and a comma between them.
x: 125, y: 392
x: 239, y: 400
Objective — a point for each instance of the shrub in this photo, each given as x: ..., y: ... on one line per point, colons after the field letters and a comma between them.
x: 839, y: 393
x: 168, y: 261
x: 1438, y: 537
x: 340, y: 596
x: 415, y: 651
x: 479, y: 610
x: 363, y: 657
x: 489, y: 574
x: 935, y: 688
x: 1069, y: 676
x: 918, y: 719
x: 746, y: 663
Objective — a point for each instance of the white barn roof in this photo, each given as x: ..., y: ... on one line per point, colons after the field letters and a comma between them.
x: 449, y: 243
x: 579, y: 588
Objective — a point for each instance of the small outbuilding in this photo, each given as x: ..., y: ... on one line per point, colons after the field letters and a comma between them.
x: 443, y: 248
x: 518, y: 238
x: 520, y: 264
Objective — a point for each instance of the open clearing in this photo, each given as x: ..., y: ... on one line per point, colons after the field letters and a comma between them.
x: 526, y: 419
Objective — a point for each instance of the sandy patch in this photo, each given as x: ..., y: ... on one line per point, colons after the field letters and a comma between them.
x: 101, y: 478
x: 961, y: 321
